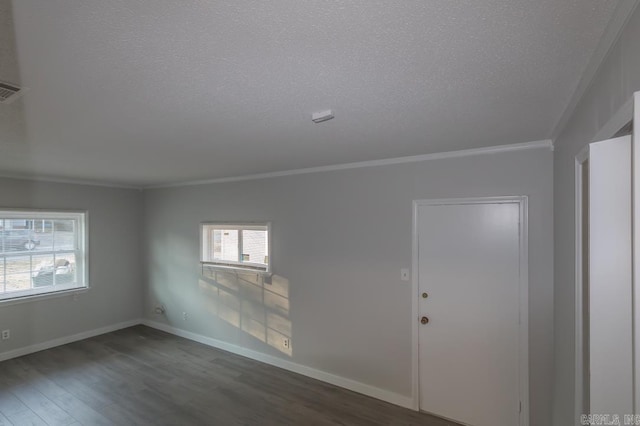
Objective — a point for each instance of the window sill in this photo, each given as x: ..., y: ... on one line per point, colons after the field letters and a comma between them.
x: 236, y: 269
x: 42, y: 296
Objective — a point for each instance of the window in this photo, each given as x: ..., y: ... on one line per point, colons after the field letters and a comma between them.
x: 235, y: 245
x: 41, y: 252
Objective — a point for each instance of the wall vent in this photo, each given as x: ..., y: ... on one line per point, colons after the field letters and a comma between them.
x: 9, y: 93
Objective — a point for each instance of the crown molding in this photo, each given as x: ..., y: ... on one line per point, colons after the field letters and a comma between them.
x: 547, y: 143
x: 617, y: 121
x: 86, y: 182
x: 611, y: 34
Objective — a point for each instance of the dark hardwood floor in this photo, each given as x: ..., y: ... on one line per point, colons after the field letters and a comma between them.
x: 143, y: 376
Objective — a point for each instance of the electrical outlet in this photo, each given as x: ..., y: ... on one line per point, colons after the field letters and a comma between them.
x: 6, y: 334
x: 185, y: 316
x: 286, y: 342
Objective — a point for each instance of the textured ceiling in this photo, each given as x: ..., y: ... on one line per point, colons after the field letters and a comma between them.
x: 152, y: 91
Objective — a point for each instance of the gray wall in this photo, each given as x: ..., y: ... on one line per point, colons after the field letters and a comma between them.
x: 614, y: 84
x: 114, y: 265
x: 339, y: 241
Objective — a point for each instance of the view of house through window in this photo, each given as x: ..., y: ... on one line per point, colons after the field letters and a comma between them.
x: 235, y: 245
x: 41, y: 252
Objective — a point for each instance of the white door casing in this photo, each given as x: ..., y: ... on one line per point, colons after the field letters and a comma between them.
x: 635, y: 148
x: 624, y: 177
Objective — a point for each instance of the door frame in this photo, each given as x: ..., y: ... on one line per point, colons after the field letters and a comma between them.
x: 580, y: 159
x: 523, y: 358
x: 635, y: 250
x: 630, y: 111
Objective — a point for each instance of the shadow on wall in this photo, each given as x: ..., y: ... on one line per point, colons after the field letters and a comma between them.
x: 251, y: 303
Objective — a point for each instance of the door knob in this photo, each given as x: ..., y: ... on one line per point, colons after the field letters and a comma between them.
x: 424, y: 320
x: 425, y: 295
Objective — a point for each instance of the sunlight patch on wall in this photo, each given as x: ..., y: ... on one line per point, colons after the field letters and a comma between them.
x: 252, y: 304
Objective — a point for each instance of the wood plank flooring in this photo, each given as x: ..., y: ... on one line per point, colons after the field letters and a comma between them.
x: 143, y: 376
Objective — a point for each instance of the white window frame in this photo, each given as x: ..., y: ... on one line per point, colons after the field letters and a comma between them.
x: 237, y: 265
x: 81, y: 252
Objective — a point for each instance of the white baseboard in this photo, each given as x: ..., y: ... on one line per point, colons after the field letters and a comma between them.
x: 65, y: 340
x: 372, y: 391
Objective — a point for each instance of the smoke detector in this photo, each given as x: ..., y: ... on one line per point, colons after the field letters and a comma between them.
x: 319, y: 117
x: 9, y: 92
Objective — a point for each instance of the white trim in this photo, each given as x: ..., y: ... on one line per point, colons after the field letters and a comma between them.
x: 578, y: 348
x: 67, y: 339
x: 25, y: 296
x: 547, y: 143
x: 44, y: 296
x: 234, y: 269
x: 583, y: 155
x: 69, y: 181
x: 359, y: 387
x: 415, y: 314
x: 612, y: 33
x: 616, y: 122
x: 635, y: 158
x: 522, y: 201
x: 524, y: 310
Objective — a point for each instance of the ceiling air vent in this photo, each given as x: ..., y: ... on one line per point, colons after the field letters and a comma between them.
x: 9, y: 93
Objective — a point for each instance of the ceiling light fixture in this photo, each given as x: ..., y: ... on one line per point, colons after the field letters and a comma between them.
x: 319, y: 117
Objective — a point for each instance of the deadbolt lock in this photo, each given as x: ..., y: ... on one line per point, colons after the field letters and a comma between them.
x: 425, y: 295
x: 424, y: 320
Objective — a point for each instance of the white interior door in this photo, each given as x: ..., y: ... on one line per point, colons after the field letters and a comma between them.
x: 604, y: 280
x: 469, y: 351
x: 610, y: 278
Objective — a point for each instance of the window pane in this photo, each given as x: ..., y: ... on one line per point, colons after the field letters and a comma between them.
x: 225, y: 245
x: 18, y: 264
x: 215, y: 244
x: 63, y: 234
x: 44, y: 233
x: 2, y: 236
x: 66, y: 272
x: 42, y: 273
x: 17, y: 235
x: 18, y: 281
x: 255, y: 246
x: 18, y: 272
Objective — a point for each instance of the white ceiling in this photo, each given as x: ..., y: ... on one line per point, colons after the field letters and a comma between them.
x: 151, y: 91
